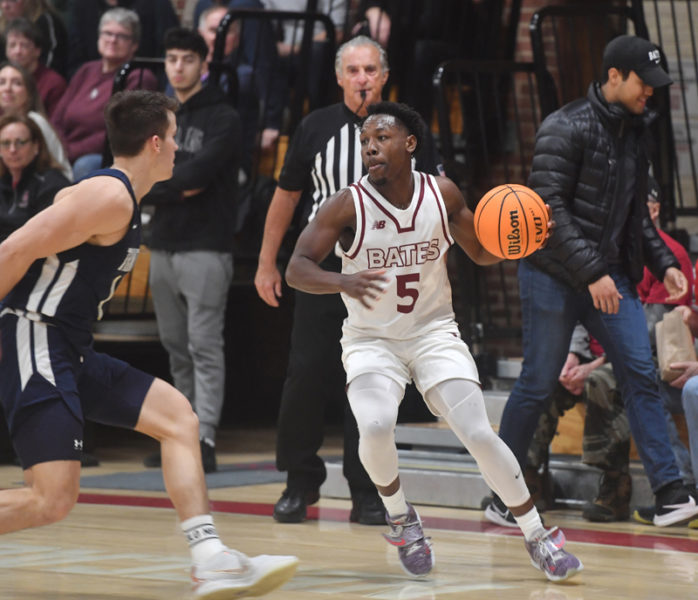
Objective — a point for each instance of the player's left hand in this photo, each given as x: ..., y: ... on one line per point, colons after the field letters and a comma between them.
x: 365, y: 286
x: 675, y: 283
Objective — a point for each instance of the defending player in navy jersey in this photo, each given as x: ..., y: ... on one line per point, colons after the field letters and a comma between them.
x: 57, y: 272
x: 395, y: 226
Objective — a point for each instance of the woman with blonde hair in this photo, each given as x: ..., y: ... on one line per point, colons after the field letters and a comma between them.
x: 19, y: 96
x: 54, y: 53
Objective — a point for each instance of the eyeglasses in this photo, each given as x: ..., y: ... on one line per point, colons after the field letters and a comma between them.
x: 111, y: 35
x: 18, y: 143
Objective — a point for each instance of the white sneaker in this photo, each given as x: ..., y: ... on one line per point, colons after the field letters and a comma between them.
x: 230, y: 574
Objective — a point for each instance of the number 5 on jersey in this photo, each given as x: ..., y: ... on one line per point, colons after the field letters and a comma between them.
x: 404, y: 291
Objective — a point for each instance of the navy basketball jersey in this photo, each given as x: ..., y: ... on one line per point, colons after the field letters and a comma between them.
x: 69, y: 289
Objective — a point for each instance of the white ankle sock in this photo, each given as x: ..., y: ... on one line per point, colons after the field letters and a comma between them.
x: 202, y: 537
x: 396, y: 504
x: 530, y: 524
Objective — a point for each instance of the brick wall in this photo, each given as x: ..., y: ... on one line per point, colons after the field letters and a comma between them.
x: 505, y: 309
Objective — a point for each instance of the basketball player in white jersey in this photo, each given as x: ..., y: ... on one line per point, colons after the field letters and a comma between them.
x: 56, y: 272
x: 395, y: 226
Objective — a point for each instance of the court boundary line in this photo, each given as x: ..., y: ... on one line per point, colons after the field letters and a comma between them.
x: 650, y: 540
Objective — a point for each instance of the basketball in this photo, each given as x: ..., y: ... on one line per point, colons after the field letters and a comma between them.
x: 511, y: 221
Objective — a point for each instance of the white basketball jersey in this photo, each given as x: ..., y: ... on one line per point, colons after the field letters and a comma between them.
x: 411, y: 245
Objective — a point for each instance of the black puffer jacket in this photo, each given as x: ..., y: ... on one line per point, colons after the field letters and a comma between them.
x: 590, y: 157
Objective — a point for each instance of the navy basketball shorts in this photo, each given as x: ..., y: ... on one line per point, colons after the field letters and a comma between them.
x: 48, y: 389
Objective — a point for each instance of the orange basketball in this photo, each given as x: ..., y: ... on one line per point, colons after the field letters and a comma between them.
x: 511, y: 221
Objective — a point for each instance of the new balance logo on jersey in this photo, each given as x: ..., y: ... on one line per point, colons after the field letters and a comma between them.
x: 403, y: 256
x: 378, y: 225
x: 77, y: 444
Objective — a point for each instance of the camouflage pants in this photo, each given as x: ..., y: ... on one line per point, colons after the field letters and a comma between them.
x: 606, y: 442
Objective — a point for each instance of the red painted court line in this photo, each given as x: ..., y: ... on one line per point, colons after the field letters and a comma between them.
x: 649, y: 540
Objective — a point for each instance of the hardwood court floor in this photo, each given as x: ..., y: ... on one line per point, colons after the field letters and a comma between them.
x: 127, y: 545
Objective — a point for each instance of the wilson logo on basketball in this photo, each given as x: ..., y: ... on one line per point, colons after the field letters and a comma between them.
x: 514, y: 235
x: 511, y: 221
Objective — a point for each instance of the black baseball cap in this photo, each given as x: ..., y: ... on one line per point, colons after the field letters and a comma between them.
x: 632, y: 53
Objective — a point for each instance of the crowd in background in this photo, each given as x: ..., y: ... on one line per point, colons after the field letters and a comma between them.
x: 60, y: 62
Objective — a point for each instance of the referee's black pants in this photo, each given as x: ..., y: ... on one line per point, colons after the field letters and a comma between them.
x: 315, y: 377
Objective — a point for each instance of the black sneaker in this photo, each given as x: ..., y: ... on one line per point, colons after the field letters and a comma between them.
x: 499, y: 514
x: 674, y: 504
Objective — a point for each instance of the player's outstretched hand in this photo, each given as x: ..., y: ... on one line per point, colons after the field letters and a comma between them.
x: 365, y: 286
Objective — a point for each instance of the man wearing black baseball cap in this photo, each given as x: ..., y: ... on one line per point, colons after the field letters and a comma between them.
x: 631, y: 53
x: 590, y: 164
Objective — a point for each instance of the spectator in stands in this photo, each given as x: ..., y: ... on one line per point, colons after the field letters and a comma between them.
x: 588, y: 271
x: 374, y: 22
x: 19, y: 96
x: 79, y: 116
x: 191, y: 264
x: 587, y: 377
x: 292, y: 34
x: 323, y: 157
x: 687, y: 382
x: 317, y: 78
x: 250, y: 50
x: 155, y: 17
x: 54, y: 50
x: 203, y: 5
x: 29, y: 176
x: 23, y: 44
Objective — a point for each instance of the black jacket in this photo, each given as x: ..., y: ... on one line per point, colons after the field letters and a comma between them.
x: 34, y: 192
x: 208, y: 159
x: 590, y: 164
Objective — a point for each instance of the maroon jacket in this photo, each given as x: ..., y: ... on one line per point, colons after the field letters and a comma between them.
x: 79, y: 116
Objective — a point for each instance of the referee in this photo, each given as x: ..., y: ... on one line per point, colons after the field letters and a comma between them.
x: 324, y: 156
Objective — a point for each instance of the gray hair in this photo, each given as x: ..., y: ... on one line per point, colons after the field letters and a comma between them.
x: 361, y: 40
x: 232, y: 28
x: 126, y: 18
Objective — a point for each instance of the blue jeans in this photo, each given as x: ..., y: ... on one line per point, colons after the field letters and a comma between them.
x: 689, y: 399
x: 550, y: 310
x: 673, y: 406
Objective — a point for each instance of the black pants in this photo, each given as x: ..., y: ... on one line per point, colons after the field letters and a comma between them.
x: 315, y: 377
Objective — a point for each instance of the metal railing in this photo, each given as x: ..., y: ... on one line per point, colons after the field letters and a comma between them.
x: 568, y: 43
x: 488, y: 112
